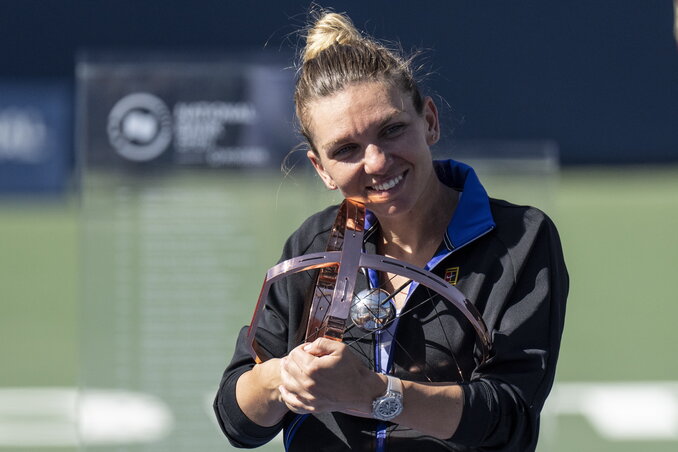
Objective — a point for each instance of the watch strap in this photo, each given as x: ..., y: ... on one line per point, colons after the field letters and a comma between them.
x: 389, y: 405
x: 394, y: 385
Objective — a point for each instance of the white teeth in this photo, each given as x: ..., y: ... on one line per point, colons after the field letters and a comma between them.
x: 389, y: 184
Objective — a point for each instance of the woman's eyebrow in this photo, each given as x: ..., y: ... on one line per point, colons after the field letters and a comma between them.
x: 389, y: 118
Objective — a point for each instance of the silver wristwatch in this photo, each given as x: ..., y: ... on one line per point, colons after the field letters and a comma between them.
x: 390, y: 404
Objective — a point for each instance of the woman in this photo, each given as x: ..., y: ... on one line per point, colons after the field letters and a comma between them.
x: 369, y: 131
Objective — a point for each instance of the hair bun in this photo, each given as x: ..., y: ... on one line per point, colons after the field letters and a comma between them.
x: 329, y: 29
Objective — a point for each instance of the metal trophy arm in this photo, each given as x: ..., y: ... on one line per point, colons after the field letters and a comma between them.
x: 288, y: 267
x: 379, y: 263
x: 339, y: 267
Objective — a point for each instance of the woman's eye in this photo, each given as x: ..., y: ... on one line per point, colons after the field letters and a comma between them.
x: 343, y: 151
x: 393, y: 129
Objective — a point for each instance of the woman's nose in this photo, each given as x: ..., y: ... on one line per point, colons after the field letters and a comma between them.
x: 376, y: 160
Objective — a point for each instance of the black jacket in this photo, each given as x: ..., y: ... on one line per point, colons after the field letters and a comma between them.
x: 508, y: 261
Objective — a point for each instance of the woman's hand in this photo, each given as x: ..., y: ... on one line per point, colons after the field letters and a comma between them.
x: 324, y: 375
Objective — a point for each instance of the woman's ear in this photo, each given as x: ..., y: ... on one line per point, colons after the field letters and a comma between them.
x: 432, y: 122
x: 315, y: 160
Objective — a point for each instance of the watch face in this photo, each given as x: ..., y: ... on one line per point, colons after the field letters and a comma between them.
x: 388, y: 408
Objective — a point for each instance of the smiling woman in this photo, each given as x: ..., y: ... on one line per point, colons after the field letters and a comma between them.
x: 419, y: 379
x: 373, y: 145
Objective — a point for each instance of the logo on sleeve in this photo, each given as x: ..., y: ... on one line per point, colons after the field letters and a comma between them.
x: 451, y: 275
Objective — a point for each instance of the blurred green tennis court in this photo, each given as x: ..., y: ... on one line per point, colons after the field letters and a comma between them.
x: 618, y: 227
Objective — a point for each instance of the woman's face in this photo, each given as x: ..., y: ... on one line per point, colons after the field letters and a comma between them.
x: 373, y: 146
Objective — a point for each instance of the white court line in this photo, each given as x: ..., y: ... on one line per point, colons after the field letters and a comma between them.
x: 54, y: 416
x: 629, y: 411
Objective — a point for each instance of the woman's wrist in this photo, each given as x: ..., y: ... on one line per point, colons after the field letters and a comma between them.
x: 261, y: 384
x: 373, y: 385
x: 268, y: 375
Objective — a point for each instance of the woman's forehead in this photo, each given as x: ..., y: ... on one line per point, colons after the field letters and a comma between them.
x: 354, y: 108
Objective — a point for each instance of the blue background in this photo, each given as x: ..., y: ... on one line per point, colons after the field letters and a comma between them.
x: 600, y: 78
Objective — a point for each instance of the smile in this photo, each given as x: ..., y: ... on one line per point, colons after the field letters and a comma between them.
x: 388, y: 184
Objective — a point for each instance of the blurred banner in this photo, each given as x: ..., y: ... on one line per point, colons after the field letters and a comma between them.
x: 183, y: 112
x: 180, y: 162
x: 36, y: 123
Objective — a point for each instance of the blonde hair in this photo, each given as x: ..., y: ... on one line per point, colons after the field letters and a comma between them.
x: 330, y: 29
x: 337, y: 55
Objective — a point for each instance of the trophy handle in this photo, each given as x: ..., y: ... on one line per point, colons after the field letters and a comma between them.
x: 335, y: 284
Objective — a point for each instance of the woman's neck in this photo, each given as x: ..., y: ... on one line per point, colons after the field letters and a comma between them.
x: 416, y: 237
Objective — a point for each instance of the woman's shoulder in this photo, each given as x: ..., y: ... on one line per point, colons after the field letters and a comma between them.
x: 529, y: 238
x: 517, y: 223
x: 507, y: 212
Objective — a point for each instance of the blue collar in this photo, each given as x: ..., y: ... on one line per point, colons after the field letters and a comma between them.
x: 472, y: 217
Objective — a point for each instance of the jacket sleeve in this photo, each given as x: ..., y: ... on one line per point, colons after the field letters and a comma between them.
x: 238, y: 428
x: 503, y: 400
x: 277, y: 333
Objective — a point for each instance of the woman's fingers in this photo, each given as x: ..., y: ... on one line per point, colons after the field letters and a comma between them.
x: 295, y: 402
x: 314, y: 377
x: 323, y: 346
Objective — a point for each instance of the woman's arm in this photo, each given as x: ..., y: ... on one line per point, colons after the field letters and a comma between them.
x: 258, y: 396
x: 326, y: 376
